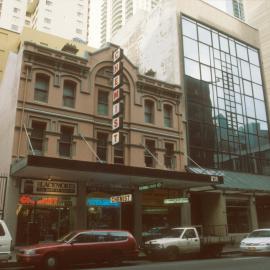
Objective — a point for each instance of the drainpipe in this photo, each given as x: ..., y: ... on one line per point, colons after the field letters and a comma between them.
x: 28, y: 66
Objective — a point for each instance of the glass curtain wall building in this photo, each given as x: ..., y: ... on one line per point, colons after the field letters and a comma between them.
x: 227, y: 121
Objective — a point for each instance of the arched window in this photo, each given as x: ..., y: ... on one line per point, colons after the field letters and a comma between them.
x: 69, y: 94
x: 149, y: 111
x: 167, y: 114
x: 42, y: 87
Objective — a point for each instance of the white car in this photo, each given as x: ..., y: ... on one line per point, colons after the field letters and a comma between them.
x: 5, y: 242
x: 257, y: 241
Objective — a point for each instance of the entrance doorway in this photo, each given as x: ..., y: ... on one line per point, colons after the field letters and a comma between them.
x: 42, y: 223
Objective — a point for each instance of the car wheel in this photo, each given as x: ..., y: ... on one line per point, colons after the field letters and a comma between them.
x: 172, y: 253
x: 51, y: 262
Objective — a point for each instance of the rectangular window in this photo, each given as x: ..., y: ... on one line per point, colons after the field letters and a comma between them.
x: 65, y: 142
x: 79, y: 31
x: 169, y: 159
x: 14, y: 27
x: 119, y: 153
x: 149, y: 111
x: 38, y: 136
x: 41, y: 88
x: 16, y: 10
x: 47, y: 20
x: 103, y: 102
x: 149, y: 153
x: 167, y: 116
x: 69, y: 94
x: 102, y: 140
x: 48, y: 3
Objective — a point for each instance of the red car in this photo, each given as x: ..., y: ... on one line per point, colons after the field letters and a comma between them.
x: 79, y: 247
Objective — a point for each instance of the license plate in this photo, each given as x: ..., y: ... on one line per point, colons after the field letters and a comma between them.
x: 251, y: 248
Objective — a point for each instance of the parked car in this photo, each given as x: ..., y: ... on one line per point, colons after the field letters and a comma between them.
x: 185, y: 241
x: 257, y: 241
x: 79, y: 247
x: 5, y: 242
x: 154, y: 233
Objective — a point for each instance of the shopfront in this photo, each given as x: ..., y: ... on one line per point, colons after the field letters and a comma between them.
x: 45, y: 210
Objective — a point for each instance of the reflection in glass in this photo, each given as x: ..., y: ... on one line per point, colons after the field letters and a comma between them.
x: 253, y: 57
x: 258, y: 91
x: 247, y: 88
x: 256, y: 74
x: 241, y: 51
x: 232, y: 47
x: 204, y: 35
x: 206, y: 73
x: 204, y: 54
x: 250, y: 110
x: 245, y: 70
x: 260, y: 110
x: 189, y: 29
x: 225, y: 101
x: 224, y: 44
x: 192, y: 68
x: 191, y: 48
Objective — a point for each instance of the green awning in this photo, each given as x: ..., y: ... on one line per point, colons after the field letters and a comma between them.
x: 245, y: 181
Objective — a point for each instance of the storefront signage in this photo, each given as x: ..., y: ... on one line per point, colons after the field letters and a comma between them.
x: 30, y: 186
x: 122, y: 198
x: 38, y: 200
x: 214, y: 179
x: 118, y: 105
x: 150, y: 186
x: 102, y: 202
x: 176, y: 200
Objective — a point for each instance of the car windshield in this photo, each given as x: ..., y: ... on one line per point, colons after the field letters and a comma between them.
x: 67, y: 237
x: 174, y: 233
x: 260, y: 234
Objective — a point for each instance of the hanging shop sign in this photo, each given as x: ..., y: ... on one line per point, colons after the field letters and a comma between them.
x: 122, y: 198
x: 176, y: 200
x: 150, y: 186
x: 30, y: 186
x: 118, y: 102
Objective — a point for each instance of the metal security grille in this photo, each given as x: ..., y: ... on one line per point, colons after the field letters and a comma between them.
x: 3, y: 186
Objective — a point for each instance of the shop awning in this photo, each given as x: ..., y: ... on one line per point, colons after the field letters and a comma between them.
x: 40, y: 167
x: 236, y: 181
x: 245, y: 181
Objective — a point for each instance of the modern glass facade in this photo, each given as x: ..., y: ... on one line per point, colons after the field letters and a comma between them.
x: 227, y: 121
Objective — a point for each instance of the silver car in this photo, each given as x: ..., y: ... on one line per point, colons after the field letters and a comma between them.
x: 257, y: 241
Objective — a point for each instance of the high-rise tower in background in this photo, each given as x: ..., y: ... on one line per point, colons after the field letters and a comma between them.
x: 66, y: 19
x: 115, y: 13
x: 233, y: 7
x: 12, y: 14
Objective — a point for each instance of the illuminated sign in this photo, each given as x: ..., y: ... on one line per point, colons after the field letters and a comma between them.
x: 118, y: 105
x: 38, y: 200
x: 176, y: 200
x: 30, y: 186
x: 102, y: 202
x: 122, y: 198
x: 150, y: 186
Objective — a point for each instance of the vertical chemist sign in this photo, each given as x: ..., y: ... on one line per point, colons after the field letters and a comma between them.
x: 118, y: 103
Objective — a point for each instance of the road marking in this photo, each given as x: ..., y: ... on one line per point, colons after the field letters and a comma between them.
x: 247, y: 258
